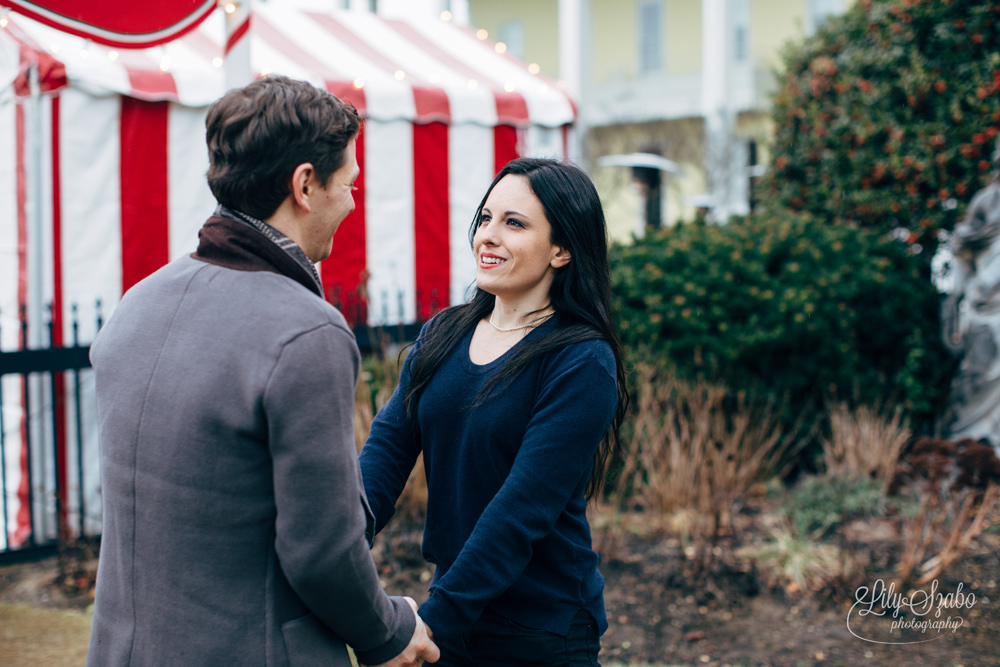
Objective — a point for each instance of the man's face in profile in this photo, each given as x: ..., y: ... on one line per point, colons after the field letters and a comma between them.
x: 334, y: 202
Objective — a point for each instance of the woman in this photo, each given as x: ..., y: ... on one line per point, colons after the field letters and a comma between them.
x: 515, y: 400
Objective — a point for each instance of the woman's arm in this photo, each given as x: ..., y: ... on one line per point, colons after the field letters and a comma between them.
x: 389, y: 453
x: 574, y: 409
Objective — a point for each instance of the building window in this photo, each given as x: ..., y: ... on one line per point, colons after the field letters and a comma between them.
x: 741, y: 29
x: 650, y: 31
x: 511, y: 33
x: 819, y: 11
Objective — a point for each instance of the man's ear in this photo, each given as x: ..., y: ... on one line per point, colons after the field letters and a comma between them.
x: 560, y: 258
x: 303, y: 182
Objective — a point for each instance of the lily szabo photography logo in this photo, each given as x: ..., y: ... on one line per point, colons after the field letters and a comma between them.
x: 883, y: 615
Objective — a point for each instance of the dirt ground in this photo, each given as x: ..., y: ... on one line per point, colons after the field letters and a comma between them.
x: 656, y: 615
x: 735, y: 617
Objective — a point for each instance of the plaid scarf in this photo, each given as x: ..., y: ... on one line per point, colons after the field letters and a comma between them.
x: 238, y: 241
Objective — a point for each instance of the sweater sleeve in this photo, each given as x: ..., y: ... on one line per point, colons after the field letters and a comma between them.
x: 390, y: 452
x: 320, y: 524
x: 574, y: 409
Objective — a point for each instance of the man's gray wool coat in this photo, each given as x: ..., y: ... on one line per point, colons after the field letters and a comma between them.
x: 234, y: 519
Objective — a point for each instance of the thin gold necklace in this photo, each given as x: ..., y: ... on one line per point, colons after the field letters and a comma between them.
x: 523, y: 326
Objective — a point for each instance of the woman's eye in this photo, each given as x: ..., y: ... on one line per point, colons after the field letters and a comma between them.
x: 514, y: 222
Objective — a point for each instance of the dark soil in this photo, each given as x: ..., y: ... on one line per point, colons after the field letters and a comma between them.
x: 65, y: 581
x: 661, y: 612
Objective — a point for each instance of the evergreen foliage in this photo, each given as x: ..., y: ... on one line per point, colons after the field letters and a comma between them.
x: 783, y: 303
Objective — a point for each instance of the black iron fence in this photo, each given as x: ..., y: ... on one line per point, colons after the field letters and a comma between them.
x: 47, y: 382
x: 48, y: 426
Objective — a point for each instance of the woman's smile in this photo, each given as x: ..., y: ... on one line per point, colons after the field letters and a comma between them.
x: 489, y: 260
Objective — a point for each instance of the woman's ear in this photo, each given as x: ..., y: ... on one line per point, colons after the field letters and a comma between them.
x: 560, y: 257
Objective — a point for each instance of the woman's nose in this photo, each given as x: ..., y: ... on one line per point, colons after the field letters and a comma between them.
x: 487, y: 233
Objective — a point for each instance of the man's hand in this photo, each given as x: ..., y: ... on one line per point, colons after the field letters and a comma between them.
x: 420, y: 649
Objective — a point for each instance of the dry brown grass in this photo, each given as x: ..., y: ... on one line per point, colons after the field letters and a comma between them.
x: 958, y: 485
x: 31, y: 637
x: 699, y: 446
x: 696, y: 450
x: 864, y: 441
x: 946, y: 528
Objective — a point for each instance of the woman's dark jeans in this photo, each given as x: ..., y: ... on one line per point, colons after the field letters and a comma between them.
x: 497, y: 641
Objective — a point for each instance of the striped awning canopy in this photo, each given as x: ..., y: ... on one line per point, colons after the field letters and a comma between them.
x: 119, y: 22
x: 391, y: 69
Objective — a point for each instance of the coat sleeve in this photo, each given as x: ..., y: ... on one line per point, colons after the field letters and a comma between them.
x: 574, y: 408
x: 320, y: 526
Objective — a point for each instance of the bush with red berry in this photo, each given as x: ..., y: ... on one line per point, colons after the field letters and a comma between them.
x: 888, y: 115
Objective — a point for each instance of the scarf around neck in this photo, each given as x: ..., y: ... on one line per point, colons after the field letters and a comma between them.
x: 235, y: 240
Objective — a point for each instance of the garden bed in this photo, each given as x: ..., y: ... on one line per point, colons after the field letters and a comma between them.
x: 740, y: 614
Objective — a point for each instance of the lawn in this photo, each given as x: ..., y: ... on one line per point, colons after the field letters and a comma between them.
x: 31, y: 637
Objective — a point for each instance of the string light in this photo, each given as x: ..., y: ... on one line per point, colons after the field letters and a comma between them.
x: 165, y: 64
x: 482, y: 34
x: 534, y: 68
x: 509, y: 87
x: 500, y: 47
x: 561, y: 85
x: 217, y: 62
x: 3, y: 21
x: 359, y: 83
x: 446, y: 15
x: 112, y: 55
x: 230, y: 8
x: 472, y: 84
x: 400, y: 75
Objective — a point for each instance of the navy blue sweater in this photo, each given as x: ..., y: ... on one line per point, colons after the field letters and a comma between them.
x: 506, y: 516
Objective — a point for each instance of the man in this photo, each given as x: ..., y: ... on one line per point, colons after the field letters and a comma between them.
x: 234, y: 517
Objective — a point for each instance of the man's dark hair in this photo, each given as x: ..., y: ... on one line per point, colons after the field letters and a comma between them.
x: 259, y: 134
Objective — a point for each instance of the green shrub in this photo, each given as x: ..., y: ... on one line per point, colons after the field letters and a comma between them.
x: 820, y: 503
x: 794, y: 559
x: 781, y: 303
x: 887, y: 115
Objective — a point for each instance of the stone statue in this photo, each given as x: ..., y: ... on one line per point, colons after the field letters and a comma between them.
x: 971, y: 316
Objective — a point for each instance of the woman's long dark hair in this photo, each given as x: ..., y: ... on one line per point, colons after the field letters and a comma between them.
x: 580, y: 295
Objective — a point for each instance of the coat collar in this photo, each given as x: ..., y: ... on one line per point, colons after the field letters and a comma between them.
x: 236, y: 241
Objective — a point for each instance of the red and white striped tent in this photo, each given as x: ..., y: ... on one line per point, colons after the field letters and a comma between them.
x: 102, y: 163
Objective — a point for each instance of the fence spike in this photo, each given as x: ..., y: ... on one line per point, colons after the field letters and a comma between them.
x: 74, y: 313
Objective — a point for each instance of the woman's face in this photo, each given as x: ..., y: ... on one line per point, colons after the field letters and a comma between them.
x: 514, y: 251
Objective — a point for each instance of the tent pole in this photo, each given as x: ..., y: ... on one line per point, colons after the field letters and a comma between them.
x: 237, y: 49
x: 34, y: 387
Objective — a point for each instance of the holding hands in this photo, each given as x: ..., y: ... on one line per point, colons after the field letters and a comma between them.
x: 420, y: 649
